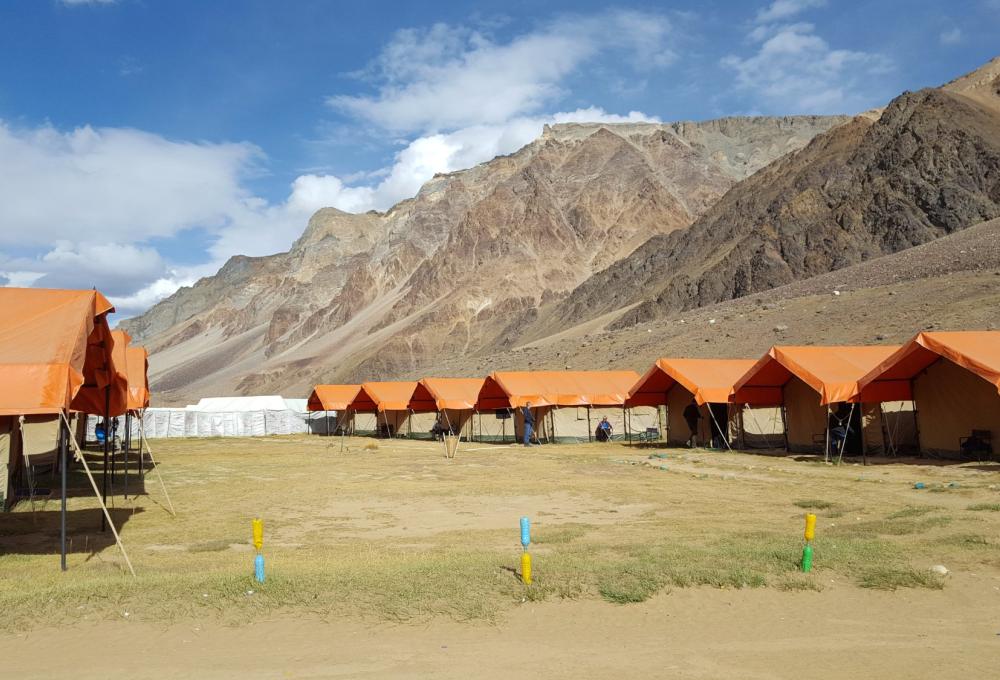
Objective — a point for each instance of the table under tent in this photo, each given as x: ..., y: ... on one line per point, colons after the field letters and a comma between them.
x: 451, y: 400
x: 816, y: 390
x: 567, y: 405
x: 56, y: 358
x: 675, y: 383
x: 953, y: 381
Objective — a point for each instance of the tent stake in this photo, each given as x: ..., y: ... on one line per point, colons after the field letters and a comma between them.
x: 104, y: 508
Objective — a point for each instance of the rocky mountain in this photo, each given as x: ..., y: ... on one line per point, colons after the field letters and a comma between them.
x: 927, y: 166
x: 462, y: 267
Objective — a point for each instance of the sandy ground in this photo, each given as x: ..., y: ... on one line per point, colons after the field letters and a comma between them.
x: 404, y: 503
x: 841, y: 632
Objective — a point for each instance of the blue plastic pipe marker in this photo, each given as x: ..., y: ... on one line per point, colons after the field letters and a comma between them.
x: 525, y: 532
x: 258, y: 568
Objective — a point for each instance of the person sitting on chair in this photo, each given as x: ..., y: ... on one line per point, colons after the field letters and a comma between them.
x: 840, y: 427
x: 604, y: 430
x: 439, y: 429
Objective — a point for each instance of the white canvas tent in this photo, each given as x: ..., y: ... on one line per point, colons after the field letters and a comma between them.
x: 223, y: 417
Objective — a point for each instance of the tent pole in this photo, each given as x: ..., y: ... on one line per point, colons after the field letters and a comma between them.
x: 104, y: 508
x: 156, y: 469
x: 127, y: 440
x: 742, y: 441
x: 590, y: 431
x: 107, y: 438
x: 326, y: 420
x: 784, y: 421
x: 63, y: 436
x: 864, y: 443
x: 628, y: 435
x: 916, y: 423
x: 843, y: 442
x: 826, y: 445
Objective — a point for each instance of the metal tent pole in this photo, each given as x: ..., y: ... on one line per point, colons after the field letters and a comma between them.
x: 590, y: 431
x: 63, y: 435
x: 107, y: 437
x: 127, y: 440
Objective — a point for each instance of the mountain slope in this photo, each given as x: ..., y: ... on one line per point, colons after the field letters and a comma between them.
x: 928, y: 166
x: 462, y: 266
x: 949, y: 283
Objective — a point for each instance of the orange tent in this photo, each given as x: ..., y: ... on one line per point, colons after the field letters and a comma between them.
x: 708, y: 380
x: 953, y: 377
x: 56, y: 352
x: 511, y: 389
x: 332, y: 397
x: 804, y: 382
x: 383, y: 396
x: 976, y: 351
x: 439, y: 394
x: 831, y: 371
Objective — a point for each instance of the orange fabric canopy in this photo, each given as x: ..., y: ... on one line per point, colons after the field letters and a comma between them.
x: 138, y: 377
x: 832, y: 371
x: 56, y: 352
x: 332, y: 397
x: 511, y: 389
x: 708, y: 380
x: 975, y: 351
x: 383, y: 396
x: 437, y: 394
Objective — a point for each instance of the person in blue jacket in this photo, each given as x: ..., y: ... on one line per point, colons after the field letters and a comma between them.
x: 529, y: 422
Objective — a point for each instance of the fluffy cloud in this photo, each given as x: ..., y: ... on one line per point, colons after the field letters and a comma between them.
x: 113, y: 183
x: 951, y: 37
x: 449, y: 77
x: 794, y: 70
x: 780, y: 10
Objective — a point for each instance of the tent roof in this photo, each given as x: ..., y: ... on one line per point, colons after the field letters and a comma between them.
x: 437, y: 394
x: 708, y: 380
x: 832, y: 371
x: 239, y: 404
x: 510, y: 389
x: 138, y: 377
x: 384, y: 396
x: 975, y: 351
x: 55, y: 352
x: 332, y: 397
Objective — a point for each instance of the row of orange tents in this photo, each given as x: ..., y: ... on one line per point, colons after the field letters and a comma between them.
x: 59, y: 360
x: 938, y: 392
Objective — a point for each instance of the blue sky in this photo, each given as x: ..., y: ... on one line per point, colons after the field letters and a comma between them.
x: 143, y: 142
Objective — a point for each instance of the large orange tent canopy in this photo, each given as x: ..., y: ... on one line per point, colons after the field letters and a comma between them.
x: 56, y: 353
x: 332, y: 397
x: 709, y: 380
x: 439, y: 394
x: 976, y: 351
x: 832, y: 371
x: 383, y: 396
x: 513, y: 389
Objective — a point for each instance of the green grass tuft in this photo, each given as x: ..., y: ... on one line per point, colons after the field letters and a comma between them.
x: 985, y: 507
x: 814, y: 504
x: 891, y: 578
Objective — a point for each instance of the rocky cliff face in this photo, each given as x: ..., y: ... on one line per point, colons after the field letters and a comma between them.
x: 928, y: 166
x: 462, y: 267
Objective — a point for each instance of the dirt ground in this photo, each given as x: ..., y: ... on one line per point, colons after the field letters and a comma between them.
x: 395, y: 562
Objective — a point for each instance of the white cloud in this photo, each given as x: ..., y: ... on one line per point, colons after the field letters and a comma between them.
x: 449, y: 77
x: 796, y: 71
x: 951, y: 37
x: 114, y: 184
x: 780, y: 10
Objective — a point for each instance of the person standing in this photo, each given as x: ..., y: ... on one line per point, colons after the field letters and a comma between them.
x: 529, y: 422
x: 692, y: 414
